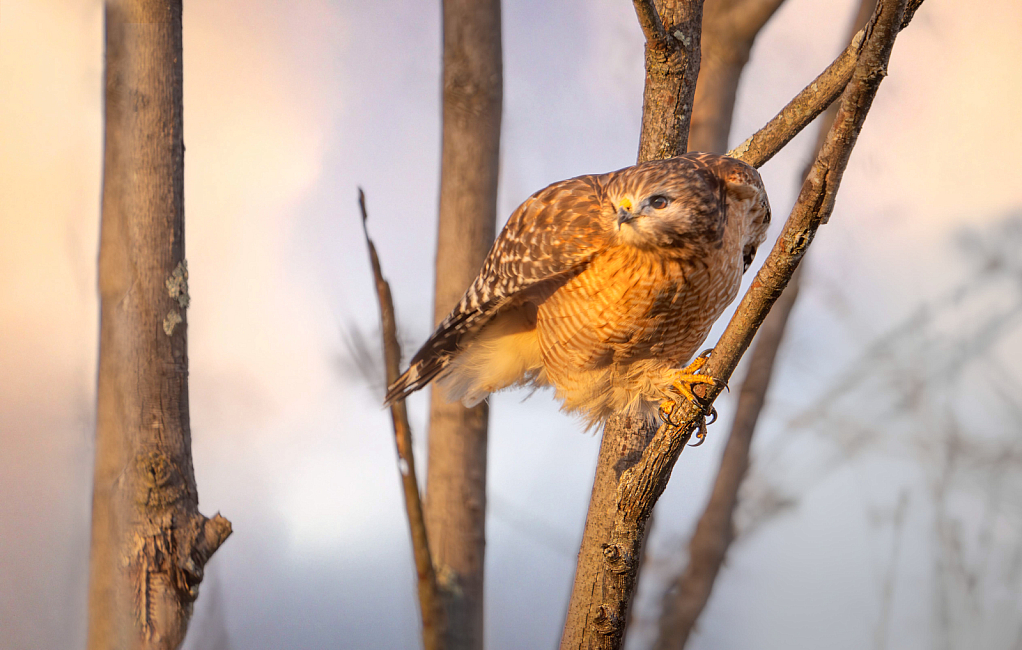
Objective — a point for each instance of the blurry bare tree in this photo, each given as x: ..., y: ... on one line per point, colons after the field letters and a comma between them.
x: 935, y: 396
x: 149, y: 541
x: 469, y: 161
x: 455, y: 503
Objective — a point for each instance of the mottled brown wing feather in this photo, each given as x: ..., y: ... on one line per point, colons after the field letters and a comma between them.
x: 552, y: 235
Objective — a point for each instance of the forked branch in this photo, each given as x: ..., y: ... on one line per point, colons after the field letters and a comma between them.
x: 599, y: 608
x: 812, y: 100
x: 641, y: 485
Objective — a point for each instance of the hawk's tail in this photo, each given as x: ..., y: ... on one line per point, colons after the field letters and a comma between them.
x: 418, y: 375
x: 432, y: 359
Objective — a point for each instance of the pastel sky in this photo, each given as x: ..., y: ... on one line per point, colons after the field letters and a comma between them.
x: 289, y: 107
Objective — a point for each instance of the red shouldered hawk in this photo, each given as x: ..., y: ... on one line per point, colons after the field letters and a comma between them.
x: 603, y: 286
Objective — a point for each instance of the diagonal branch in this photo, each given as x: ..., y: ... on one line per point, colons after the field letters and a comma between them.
x: 672, y: 67
x: 690, y: 590
x: 603, y: 590
x: 811, y: 101
x: 430, y: 605
x: 641, y: 485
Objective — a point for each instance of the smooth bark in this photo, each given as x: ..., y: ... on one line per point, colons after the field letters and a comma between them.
x: 149, y: 542
x: 456, y: 470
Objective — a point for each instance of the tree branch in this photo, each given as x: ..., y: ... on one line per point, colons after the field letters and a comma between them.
x: 814, y: 205
x: 749, y: 16
x: 430, y: 603
x: 685, y: 600
x: 730, y: 28
x: 150, y: 543
x: 811, y: 101
x: 649, y: 20
x: 455, y: 505
x: 672, y: 67
x: 605, y: 580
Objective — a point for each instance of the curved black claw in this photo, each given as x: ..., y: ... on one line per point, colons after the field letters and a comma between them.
x: 713, y: 416
x: 700, y: 433
x: 666, y: 413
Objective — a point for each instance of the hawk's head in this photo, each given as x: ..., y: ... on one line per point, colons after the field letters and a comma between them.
x: 688, y: 202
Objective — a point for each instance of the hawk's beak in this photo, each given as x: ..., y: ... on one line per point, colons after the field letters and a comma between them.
x: 624, y: 213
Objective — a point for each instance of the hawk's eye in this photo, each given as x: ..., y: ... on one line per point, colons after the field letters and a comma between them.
x: 658, y: 202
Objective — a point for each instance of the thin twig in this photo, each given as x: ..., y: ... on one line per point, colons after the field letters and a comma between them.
x: 811, y: 101
x: 430, y: 605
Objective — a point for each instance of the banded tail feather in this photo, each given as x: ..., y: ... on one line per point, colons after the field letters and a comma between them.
x: 436, y: 354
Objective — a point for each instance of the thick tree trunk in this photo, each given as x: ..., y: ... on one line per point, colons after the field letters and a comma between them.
x: 149, y: 542
x: 456, y: 471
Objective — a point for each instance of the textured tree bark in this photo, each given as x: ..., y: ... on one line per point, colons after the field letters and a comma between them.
x: 600, y: 600
x: 687, y: 596
x: 456, y: 470
x: 672, y: 29
x: 608, y: 563
x: 149, y: 542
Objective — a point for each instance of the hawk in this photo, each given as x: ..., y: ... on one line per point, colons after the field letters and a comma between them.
x: 603, y: 287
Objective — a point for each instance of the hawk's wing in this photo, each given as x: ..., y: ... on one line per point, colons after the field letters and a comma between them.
x: 550, y: 236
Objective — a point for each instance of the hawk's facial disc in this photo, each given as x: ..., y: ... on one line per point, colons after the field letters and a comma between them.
x: 652, y: 220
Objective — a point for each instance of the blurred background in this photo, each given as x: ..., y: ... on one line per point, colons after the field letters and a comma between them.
x: 884, y: 505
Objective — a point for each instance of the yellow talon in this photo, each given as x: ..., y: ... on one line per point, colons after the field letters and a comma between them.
x: 682, y: 380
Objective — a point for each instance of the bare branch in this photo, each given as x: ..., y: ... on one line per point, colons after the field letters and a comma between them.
x: 808, y: 104
x: 672, y: 67
x: 466, y: 224
x: 149, y: 543
x: 430, y: 603
x: 749, y: 16
x: 816, y: 199
x: 685, y: 600
x: 649, y: 20
x: 605, y: 581
x: 730, y: 28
